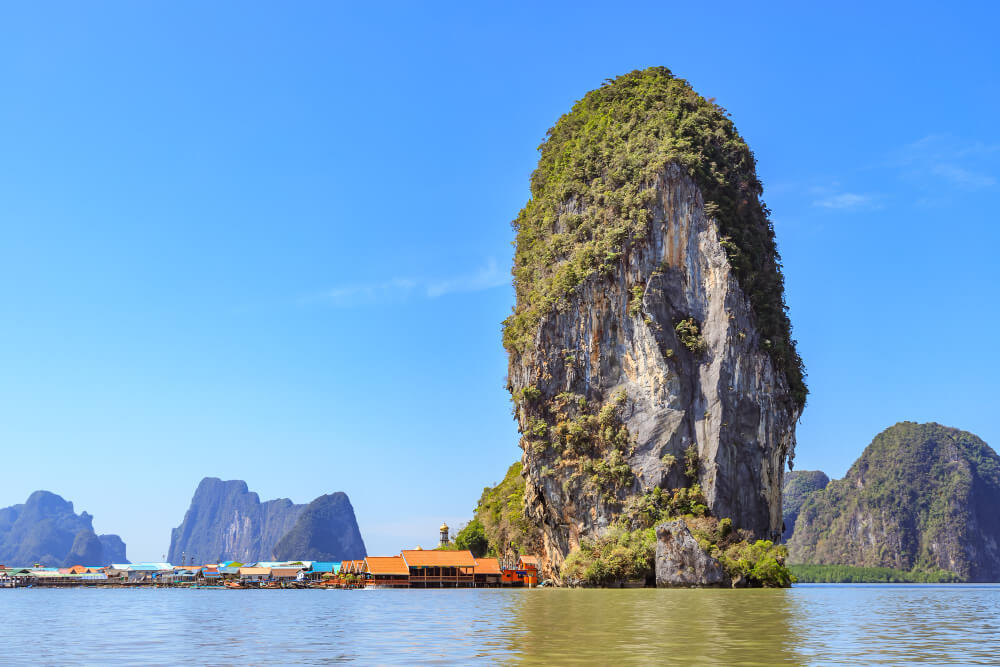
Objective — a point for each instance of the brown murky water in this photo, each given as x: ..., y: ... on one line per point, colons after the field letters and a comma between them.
x: 823, y: 624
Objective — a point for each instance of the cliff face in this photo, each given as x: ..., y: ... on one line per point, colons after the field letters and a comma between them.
x: 921, y: 496
x: 226, y: 521
x: 326, y: 530
x: 637, y: 359
x: 46, y: 530
x: 799, y: 485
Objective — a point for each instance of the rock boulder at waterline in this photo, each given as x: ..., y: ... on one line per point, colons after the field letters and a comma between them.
x: 680, y: 560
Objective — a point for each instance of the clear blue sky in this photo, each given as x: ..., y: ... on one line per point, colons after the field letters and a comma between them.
x: 271, y: 241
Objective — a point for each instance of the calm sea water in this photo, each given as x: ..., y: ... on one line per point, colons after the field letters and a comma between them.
x: 821, y: 624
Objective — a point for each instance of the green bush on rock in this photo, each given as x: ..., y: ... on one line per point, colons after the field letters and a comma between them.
x: 500, y: 515
x: 627, y: 551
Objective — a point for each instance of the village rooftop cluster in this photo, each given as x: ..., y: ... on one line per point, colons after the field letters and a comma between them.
x: 444, y: 567
x: 413, y: 568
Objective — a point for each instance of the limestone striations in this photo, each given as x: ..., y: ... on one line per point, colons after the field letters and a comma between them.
x: 46, y: 530
x: 226, y: 521
x: 637, y: 359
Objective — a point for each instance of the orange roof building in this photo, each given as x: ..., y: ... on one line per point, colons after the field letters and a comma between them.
x: 529, y: 562
x: 419, y: 558
x: 386, y: 572
x: 487, y: 566
x: 488, y: 572
x: 386, y: 566
x: 439, y: 569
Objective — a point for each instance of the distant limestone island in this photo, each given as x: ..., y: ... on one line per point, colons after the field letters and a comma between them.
x: 46, y: 531
x: 228, y: 522
x: 920, y: 504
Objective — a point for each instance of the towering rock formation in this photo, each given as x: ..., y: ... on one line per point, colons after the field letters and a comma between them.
x: 799, y: 485
x: 326, y: 530
x: 921, y: 496
x: 46, y: 530
x: 649, y: 346
x: 226, y: 521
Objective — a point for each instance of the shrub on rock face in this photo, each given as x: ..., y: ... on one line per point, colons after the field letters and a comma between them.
x: 690, y: 336
x: 759, y: 563
x: 693, y: 551
x: 619, y: 556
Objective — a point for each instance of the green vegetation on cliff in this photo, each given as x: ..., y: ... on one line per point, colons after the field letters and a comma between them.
x: 587, y: 443
x: 627, y: 551
x: 921, y: 498
x: 846, y: 574
x: 592, y: 197
x: 500, y: 514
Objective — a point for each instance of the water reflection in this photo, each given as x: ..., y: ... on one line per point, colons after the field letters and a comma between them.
x: 648, y: 625
x: 899, y: 624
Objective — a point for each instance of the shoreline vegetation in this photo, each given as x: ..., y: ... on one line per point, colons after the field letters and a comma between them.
x: 849, y: 574
x: 626, y: 554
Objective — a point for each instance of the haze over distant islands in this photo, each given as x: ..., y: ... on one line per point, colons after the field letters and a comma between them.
x: 46, y: 530
x: 227, y: 521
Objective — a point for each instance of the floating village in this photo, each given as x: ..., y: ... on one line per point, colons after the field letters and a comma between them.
x: 443, y: 567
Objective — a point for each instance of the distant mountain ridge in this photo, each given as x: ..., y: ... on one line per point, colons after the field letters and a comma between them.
x: 798, y: 486
x: 921, y: 497
x: 227, y: 521
x: 46, y: 530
